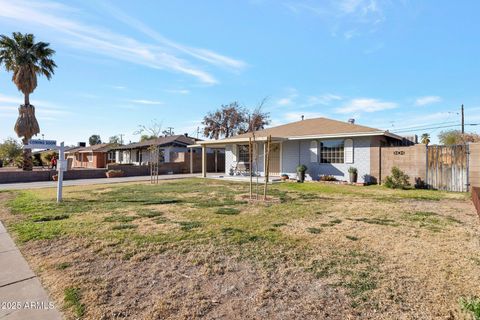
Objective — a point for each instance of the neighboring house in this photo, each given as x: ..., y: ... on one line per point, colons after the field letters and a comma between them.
x: 140, y: 153
x: 96, y: 156
x: 325, y: 146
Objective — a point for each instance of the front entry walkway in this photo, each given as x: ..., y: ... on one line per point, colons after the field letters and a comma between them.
x: 21, y: 293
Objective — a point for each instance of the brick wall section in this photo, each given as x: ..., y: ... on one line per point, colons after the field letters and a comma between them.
x: 411, y: 160
x: 474, y: 165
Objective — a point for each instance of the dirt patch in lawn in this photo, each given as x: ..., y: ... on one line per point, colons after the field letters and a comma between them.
x: 205, y: 283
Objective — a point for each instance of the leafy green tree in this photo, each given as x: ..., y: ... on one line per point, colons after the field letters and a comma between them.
x: 145, y: 137
x: 26, y: 58
x: 453, y: 137
x: 11, y: 152
x: 94, y: 139
x: 115, y: 140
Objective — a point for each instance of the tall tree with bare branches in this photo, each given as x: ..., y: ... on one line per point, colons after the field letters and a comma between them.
x: 26, y: 59
x: 224, y: 122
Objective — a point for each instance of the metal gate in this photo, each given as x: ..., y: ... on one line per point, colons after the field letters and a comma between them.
x: 447, y: 168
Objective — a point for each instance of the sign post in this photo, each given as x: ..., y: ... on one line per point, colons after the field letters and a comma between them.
x: 61, y: 167
x: 61, y: 162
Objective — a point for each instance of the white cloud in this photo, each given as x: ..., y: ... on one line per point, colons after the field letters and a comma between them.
x: 178, y: 91
x: 284, y: 101
x: 165, y: 55
x: 147, y: 102
x: 199, y: 53
x: 43, y: 109
x: 289, y: 98
x: 324, y: 99
x: 423, y: 101
x: 118, y: 87
x: 366, y: 105
x: 348, y: 18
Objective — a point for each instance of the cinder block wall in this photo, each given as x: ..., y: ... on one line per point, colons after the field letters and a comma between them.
x: 411, y: 160
x: 474, y: 165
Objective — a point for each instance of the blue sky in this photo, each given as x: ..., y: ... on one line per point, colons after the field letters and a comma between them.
x: 389, y: 64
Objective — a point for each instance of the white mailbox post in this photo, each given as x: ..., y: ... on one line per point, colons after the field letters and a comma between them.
x: 61, y: 162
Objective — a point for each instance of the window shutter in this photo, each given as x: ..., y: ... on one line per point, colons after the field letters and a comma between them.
x: 313, y: 151
x: 348, y: 150
x: 234, y: 152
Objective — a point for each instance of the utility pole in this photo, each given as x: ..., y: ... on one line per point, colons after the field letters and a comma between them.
x: 198, y: 132
x: 463, y: 120
x: 170, y: 129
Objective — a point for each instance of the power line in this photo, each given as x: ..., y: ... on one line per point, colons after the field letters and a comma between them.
x: 419, y: 127
x: 438, y: 127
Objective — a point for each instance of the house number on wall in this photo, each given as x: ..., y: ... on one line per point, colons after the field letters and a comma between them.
x: 399, y: 153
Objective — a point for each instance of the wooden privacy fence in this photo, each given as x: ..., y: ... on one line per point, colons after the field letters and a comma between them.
x: 447, y: 168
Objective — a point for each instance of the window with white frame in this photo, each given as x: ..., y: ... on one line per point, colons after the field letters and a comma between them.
x: 90, y: 157
x: 332, y: 151
x: 243, y: 153
x: 111, y: 156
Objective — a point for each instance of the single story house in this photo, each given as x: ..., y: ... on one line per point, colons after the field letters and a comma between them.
x: 325, y: 146
x: 139, y: 153
x: 96, y: 156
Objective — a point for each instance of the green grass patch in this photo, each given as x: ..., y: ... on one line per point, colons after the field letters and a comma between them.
x: 124, y: 226
x: 471, y: 305
x: 149, y: 213
x: 189, y: 225
x: 119, y: 218
x: 313, y: 230
x: 150, y: 201
x: 227, y: 211
x: 28, y: 231
x: 72, y: 299
x: 63, y: 265
x: 49, y: 217
x: 279, y: 224
x: 160, y: 220
x: 379, y: 221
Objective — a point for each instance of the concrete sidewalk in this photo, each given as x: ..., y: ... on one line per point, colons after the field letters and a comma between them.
x: 84, y: 182
x: 21, y: 293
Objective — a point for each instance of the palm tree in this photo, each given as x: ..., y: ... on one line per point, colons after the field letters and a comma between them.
x: 26, y: 58
x: 425, y: 138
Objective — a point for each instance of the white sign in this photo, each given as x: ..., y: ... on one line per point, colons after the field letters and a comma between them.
x: 41, y: 144
x: 62, y: 165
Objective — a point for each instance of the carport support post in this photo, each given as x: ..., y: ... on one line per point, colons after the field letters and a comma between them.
x: 61, y: 156
x: 204, y: 161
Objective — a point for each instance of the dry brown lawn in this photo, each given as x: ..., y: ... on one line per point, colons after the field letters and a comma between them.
x: 194, y: 249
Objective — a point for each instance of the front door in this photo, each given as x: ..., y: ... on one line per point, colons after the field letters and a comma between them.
x: 274, y: 160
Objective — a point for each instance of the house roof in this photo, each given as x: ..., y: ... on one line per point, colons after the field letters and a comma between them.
x: 309, y: 128
x: 102, y: 147
x: 162, y: 141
